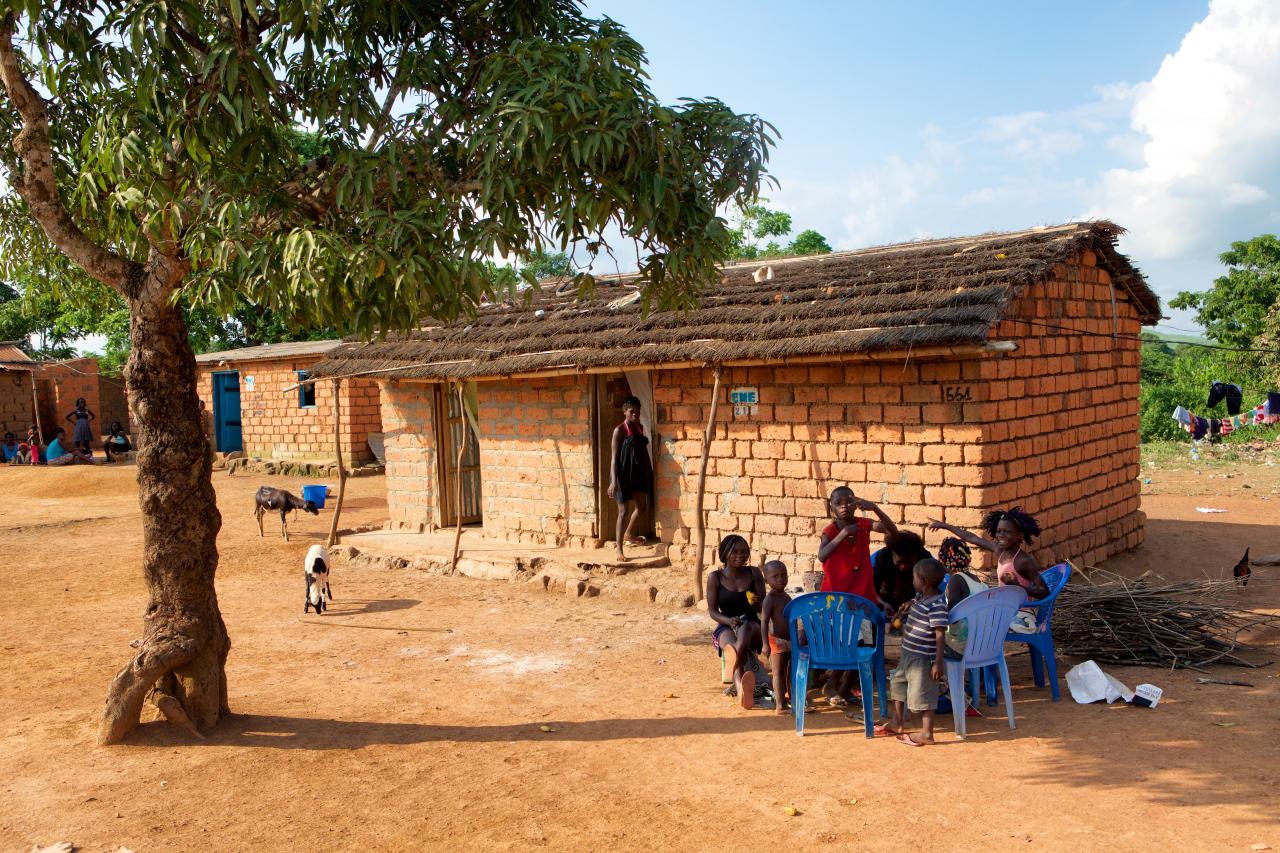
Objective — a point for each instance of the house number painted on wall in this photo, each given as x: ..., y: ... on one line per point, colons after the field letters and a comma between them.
x: 746, y: 401
x: 957, y: 393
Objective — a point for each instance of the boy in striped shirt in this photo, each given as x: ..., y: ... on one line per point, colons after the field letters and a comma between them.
x: 913, y: 686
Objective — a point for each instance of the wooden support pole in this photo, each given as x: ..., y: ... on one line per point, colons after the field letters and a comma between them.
x: 337, y: 451
x: 457, y: 484
x: 701, y: 538
x: 35, y: 408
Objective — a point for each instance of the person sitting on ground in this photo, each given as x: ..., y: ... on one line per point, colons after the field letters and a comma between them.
x: 58, y: 454
x: 9, y: 448
x: 23, y: 456
x: 893, y: 568
x: 82, y: 417
x: 116, y: 443
x: 914, y: 684
x: 730, y: 590
x: 631, y: 474
x: 1010, y: 530
x: 844, y: 550
x: 776, y: 631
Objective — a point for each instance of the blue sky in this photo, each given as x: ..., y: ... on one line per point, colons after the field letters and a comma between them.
x: 906, y: 120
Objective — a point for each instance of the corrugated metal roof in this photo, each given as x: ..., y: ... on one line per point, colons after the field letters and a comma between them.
x: 13, y: 358
x: 267, y: 352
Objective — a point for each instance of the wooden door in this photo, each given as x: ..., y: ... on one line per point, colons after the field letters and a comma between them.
x: 456, y: 430
x: 226, y: 411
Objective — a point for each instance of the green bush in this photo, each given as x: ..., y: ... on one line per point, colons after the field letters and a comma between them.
x: 1180, y: 375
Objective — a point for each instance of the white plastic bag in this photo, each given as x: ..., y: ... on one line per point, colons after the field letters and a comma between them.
x: 1088, y: 683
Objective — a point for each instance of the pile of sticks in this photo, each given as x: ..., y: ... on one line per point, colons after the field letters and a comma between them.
x: 1152, y: 622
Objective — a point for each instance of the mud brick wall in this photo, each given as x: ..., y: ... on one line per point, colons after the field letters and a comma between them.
x: 61, y: 383
x: 275, y: 426
x: 408, y: 431
x: 537, y: 466
x: 16, y: 412
x: 1063, y: 412
x: 1052, y: 426
x: 114, y: 399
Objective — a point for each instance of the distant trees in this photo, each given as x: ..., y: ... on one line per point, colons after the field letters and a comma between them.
x: 1234, y: 311
x: 757, y: 222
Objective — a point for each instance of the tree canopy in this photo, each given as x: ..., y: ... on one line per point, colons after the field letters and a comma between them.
x: 442, y: 137
x: 1234, y: 311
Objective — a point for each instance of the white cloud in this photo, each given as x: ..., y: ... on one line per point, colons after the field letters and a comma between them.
x: 1210, y: 118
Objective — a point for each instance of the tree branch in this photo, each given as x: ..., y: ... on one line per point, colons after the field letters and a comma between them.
x: 38, y: 184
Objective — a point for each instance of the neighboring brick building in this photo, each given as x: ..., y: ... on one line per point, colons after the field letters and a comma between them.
x: 247, y: 407
x: 17, y: 411
x: 939, y: 379
x: 61, y: 384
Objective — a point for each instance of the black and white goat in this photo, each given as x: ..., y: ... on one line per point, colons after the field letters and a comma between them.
x: 316, y: 569
x: 278, y: 500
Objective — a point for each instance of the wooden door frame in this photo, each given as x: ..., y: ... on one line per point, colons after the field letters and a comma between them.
x: 446, y: 459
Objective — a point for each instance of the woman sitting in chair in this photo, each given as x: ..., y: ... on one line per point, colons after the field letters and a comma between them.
x: 735, y: 592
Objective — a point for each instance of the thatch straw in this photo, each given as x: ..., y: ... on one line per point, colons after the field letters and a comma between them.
x: 922, y: 294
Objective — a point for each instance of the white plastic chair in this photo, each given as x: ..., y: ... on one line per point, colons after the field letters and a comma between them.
x: 988, y: 615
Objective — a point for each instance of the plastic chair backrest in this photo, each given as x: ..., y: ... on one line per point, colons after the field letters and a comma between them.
x: 989, y: 614
x: 1055, y: 578
x: 832, y: 622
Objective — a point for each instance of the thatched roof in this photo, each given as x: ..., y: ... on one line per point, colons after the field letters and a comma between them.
x: 922, y: 294
x: 268, y: 352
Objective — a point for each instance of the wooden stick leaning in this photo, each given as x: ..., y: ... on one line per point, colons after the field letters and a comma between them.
x: 701, y: 539
x: 337, y: 452
x: 457, y: 487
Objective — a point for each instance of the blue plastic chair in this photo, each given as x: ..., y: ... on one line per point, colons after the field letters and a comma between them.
x: 1040, y: 644
x: 832, y: 623
x: 988, y: 615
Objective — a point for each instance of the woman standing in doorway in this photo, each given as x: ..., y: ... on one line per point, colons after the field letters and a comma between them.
x: 631, y: 475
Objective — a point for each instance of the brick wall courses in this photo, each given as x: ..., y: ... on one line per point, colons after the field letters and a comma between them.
x: 1051, y: 426
x: 61, y: 383
x: 16, y: 411
x: 274, y: 426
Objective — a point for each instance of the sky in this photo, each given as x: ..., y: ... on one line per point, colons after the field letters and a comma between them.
x: 907, y: 120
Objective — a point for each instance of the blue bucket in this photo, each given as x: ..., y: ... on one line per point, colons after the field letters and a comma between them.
x: 315, y: 494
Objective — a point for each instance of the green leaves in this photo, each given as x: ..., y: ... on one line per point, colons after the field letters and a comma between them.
x: 257, y: 139
x: 1234, y: 311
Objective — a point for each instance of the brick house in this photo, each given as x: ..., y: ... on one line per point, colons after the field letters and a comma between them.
x: 17, y: 410
x: 939, y: 378
x: 247, y: 407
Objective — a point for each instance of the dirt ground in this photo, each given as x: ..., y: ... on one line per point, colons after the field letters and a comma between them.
x: 433, y: 712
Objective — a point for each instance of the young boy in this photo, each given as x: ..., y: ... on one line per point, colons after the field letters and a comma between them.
x: 775, y: 628
x: 913, y: 686
x: 845, y: 554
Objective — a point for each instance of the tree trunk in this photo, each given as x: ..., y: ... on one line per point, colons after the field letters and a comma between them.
x: 182, y: 657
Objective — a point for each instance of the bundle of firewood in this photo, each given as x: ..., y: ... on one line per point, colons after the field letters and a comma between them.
x: 1152, y: 622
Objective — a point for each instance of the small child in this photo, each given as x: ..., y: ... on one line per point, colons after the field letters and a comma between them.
x: 844, y: 550
x: 913, y: 686
x: 23, y: 456
x: 775, y: 628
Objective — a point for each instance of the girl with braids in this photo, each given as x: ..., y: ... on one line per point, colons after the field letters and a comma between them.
x: 1010, y: 531
x: 734, y: 593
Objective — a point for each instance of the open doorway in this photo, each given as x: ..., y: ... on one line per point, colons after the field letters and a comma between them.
x: 454, y: 429
x: 609, y: 392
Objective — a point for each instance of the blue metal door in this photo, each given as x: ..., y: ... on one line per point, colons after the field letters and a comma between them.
x: 226, y: 411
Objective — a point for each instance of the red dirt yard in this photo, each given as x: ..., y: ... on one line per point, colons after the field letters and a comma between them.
x: 433, y: 712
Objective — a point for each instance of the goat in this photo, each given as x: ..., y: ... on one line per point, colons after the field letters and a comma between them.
x: 316, y: 570
x: 278, y: 500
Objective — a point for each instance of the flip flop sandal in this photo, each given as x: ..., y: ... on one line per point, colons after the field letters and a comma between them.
x: 747, y: 690
x: 884, y: 730
x: 909, y: 740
